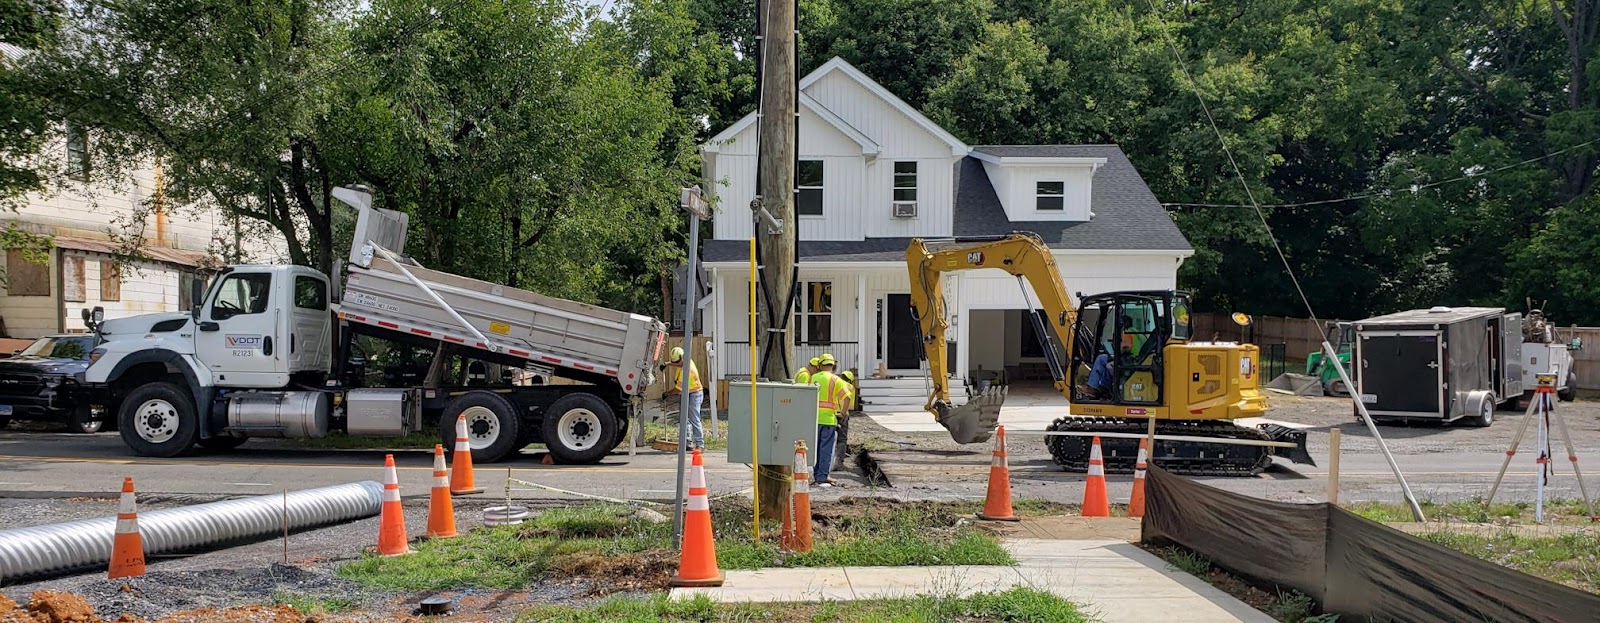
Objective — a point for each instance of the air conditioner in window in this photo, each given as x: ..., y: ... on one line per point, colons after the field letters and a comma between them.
x: 905, y: 209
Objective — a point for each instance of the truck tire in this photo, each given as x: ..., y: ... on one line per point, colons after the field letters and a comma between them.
x: 4, y: 422
x: 494, y: 429
x: 580, y: 429
x: 79, y: 421
x: 1570, y: 392
x: 158, y: 419
x: 222, y: 442
x: 1336, y: 388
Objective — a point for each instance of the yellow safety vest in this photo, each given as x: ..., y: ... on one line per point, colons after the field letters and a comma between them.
x: 833, y: 394
x: 803, y: 377
x: 677, y: 377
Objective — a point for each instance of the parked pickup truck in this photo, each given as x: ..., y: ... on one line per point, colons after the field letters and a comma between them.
x: 268, y: 352
x: 45, y: 382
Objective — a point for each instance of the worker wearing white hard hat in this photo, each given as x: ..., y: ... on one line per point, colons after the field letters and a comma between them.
x: 697, y: 395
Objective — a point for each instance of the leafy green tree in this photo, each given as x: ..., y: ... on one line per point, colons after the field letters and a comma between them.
x: 906, y: 45
x: 24, y: 126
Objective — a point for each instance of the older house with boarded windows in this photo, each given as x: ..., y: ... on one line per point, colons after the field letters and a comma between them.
x: 874, y: 173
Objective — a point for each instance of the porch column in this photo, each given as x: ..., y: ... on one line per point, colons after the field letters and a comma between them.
x: 718, y: 368
x: 963, y: 345
x: 861, y: 324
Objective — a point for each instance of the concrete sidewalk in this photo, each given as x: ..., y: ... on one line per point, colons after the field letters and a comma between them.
x: 1114, y: 581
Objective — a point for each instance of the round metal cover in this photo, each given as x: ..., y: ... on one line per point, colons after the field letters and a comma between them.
x: 435, y: 606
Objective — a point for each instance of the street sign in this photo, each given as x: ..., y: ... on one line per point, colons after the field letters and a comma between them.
x: 693, y: 200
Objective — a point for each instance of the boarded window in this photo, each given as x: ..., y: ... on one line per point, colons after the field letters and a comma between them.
x: 110, y: 281
x: 808, y: 188
x: 1051, y: 195
x: 77, y: 152
x: 25, y: 278
x: 905, y: 181
x: 72, y: 287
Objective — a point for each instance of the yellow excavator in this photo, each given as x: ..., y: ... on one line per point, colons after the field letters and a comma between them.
x: 1120, y: 358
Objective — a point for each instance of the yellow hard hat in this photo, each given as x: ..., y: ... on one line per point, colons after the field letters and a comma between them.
x: 816, y: 361
x: 849, y: 377
x: 825, y: 360
x: 677, y: 355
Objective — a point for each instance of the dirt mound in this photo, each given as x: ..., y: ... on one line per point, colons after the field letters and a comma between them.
x: 60, y: 607
x: 57, y: 607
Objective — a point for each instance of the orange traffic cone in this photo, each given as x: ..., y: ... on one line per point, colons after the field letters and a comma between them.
x: 461, y: 465
x: 1095, y: 503
x: 392, y: 521
x: 799, y: 538
x: 997, y: 504
x: 127, y: 547
x: 1136, y: 503
x: 441, y: 514
x: 697, y: 557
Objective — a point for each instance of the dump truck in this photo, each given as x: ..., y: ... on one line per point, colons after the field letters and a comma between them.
x: 268, y: 352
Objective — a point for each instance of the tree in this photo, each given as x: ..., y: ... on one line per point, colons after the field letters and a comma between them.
x: 906, y: 45
x: 24, y: 25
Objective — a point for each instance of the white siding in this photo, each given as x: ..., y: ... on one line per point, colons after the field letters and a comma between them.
x: 146, y: 288
x: 1016, y: 186
x: 896, y: 134
x: 1088, y: 274
x: 935, y: 198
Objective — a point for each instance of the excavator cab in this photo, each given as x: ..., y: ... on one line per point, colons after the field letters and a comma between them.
x: 1122, y: 336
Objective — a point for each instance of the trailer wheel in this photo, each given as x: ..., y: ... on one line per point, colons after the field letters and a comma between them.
x: 1482, y: 404
x: 1570, y: 392
x: 158, y: 419
x: 494, y: 430
x: 580, y: 428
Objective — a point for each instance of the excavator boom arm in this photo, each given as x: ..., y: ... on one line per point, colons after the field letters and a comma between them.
x: 1021, y: 254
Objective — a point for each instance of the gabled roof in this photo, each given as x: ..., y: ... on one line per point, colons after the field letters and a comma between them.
x: 869, y: 147
x: 840, y: 65
x: 1127, y: 215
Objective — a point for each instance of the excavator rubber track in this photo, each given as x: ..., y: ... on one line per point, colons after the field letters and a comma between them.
x: 1180, y: 457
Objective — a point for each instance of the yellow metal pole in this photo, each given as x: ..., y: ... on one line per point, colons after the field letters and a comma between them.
x: 755, y: 451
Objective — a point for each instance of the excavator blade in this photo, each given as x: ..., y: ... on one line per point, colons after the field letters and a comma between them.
x: 975, y: 421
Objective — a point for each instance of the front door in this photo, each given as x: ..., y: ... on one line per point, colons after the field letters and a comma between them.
x: 904, y: 347
x: 236, y: 339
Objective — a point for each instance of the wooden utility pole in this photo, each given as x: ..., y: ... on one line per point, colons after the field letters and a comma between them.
x: 775, y: 162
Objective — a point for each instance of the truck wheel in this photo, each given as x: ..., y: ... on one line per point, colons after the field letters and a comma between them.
x: 158, y: 419
x: 1570, y: 392
x: 80, y: 421
x: 4, y: 422
x: 1336, y: 388
x: 222, y: 442
x: 580, y: 428
x: 494, y: 430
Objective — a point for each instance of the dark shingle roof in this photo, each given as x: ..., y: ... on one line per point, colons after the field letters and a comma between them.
x: 1126, y: 214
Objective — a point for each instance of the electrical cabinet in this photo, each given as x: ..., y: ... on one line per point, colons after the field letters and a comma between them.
x: 785, y: 412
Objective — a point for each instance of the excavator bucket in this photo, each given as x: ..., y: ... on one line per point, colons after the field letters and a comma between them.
x: 975, y: 421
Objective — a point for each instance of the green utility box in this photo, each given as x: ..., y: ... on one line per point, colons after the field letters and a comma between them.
x: 785, y: 412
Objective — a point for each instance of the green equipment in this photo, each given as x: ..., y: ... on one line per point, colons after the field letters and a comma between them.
x: 1342, y: 336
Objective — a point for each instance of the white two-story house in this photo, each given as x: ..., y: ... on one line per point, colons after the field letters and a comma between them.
x: 874, y: 173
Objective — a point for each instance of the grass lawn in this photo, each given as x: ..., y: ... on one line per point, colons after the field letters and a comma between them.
x: 1018, y: 605
x: 613, y: 546
x: 664, y: 430
x: 1572, y: 559
x: 1472, y: 511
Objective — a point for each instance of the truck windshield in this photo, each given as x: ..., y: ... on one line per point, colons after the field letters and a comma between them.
x: 60, y: 348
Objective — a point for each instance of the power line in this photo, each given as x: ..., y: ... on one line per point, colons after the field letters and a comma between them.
x: 1387, y: 193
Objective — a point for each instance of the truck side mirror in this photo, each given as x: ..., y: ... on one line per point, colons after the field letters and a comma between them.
x: 196, y: 291
x: 88, y: 319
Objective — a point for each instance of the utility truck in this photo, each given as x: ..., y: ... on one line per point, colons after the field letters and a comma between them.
x: 269, y: 352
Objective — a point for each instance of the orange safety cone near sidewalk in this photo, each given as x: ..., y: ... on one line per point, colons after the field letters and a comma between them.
x: 798, y: 539
x: 461, y: 463
x: 1136, y: 503
x: 127, y: 547
x: 441, y: 514
x: 1095, y: 503
x: 997, y: 504
x: 697, y: 557
x: 392, y: 521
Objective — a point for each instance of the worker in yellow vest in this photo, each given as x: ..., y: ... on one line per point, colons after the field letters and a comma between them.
x: 697, y: 394
x: 849, y: 376
x: 803, y: 377
x: 833, y: 397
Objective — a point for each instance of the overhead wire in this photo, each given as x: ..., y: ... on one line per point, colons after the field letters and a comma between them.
x: 1389, y: 192
x: 1177, y: 55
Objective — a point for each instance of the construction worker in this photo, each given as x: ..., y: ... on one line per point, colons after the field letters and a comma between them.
x: 803, y: 377
x: 849, y: 376
x: 833, y: 396
x: 697, y: 394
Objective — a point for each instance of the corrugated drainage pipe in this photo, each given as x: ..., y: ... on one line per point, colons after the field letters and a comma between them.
x: 60, y: 548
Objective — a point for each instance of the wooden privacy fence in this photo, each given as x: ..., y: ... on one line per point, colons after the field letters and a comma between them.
x: 1300, y: 338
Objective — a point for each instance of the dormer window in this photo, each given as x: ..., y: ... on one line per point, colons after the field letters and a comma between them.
x: 808, y: 188
x: 1050, y: 196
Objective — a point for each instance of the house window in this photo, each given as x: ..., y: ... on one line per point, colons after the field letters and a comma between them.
x: 72, y: 279
x: 77, y: 152
x: 25, y: 278
x: 1051, y: 195
x: 814, y: 314
x: 905, y: 181
x: 310, y: 293
x: 110, y: 281
x: 808, y: 188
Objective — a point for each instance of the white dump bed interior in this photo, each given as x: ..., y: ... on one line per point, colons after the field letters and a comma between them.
x: 546, y: 330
